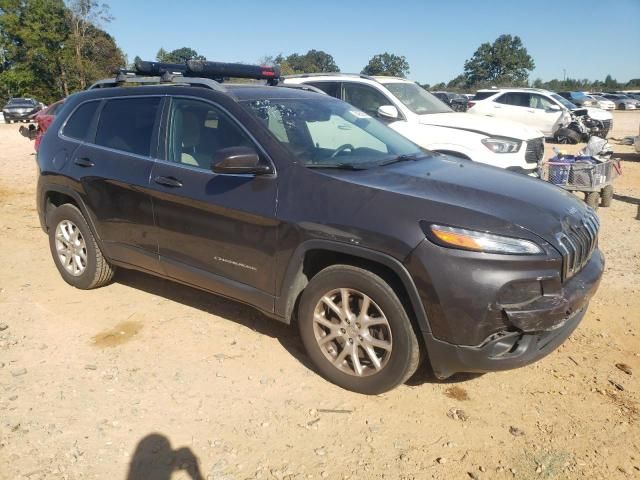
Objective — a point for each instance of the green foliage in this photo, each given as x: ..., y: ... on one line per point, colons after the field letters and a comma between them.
x: 179, y: 55
x: 504, y: 62
x: 387, y: 64
x: 49, y: 49
x: 314, y: 61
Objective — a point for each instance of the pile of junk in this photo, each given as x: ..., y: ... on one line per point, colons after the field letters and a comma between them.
x: 592, y: 171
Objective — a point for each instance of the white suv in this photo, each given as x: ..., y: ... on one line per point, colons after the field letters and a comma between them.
x: 541, y: 109
x: 428, y: 122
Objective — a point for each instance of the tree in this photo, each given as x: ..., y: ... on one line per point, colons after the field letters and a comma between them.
x: 387, y: 64
x: 611, y: 83
x: 314, y: 61
x: 49, y: 50
x: 179, y: 55
x: 503, y: 62
x: 86, y: 16
x: 32, y: 37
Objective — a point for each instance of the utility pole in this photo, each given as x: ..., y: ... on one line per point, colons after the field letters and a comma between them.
x: 564, y: 71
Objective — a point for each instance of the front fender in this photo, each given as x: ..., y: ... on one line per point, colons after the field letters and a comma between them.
x: 295, y: 281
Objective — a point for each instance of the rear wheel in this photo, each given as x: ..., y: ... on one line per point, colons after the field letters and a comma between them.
x: 356, y: 331
x: 592, y: 199
x: 606, y: 196
x: 75, y: 251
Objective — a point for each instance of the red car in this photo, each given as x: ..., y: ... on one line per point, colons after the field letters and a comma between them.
x: 44, y: 118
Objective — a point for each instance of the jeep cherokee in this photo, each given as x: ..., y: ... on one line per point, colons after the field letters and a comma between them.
x: 309, y: 209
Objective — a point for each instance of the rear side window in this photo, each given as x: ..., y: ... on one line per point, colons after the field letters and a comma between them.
x: 483, y: 95
x: 127, y: 124
x: 330, y: 88
x: 518, y: 99
x: 78, y: 125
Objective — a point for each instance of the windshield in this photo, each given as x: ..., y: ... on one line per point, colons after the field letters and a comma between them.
x: 564, y: 101
x: 326, y: 132
x: 417, y: 99
x: 21, y: 101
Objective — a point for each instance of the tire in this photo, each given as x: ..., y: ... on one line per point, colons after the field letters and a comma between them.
x: 592, y: 199
x: 606, y: 196
x: 71, y: 237
x: 391, y: 339
x: 566, y: 136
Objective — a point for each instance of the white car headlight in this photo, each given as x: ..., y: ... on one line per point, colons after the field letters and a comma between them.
x: 483, y: 242
x: 501, y: 145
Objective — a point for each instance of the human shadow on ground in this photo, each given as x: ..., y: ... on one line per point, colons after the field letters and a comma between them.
x: 155, y: 459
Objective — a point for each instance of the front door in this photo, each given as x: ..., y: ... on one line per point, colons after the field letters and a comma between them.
x: 215, y: 231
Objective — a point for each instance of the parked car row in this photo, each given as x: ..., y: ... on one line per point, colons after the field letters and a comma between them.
x: 425, y: 120
x: 299, y: 200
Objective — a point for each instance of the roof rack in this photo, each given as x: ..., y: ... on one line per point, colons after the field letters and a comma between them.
x: 331, y: 74
x: 193, y: 72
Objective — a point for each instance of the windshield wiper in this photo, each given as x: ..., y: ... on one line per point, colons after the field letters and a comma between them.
x: 340, y: 166
x: 402, y: 158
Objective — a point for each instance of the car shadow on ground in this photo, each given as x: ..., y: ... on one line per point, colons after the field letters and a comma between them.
x: 251, y: 318
x: 155, y: 459
x: 627, y: 157
x: 626, y: 199
x: 219, y: 306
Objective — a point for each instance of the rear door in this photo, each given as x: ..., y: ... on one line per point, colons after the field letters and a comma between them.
x: 514, y: 106
x: 113, y: 164
x: 215, y: 231
x: 330, y: 88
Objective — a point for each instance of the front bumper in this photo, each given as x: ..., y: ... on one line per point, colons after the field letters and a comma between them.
x: 12, y: 116
x: 471, y: 331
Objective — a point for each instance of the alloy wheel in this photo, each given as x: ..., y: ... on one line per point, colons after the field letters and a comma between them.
x: 71, y: 248
x: 352, y: 332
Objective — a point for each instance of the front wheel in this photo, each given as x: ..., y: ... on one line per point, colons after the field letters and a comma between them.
x: 356, y: 330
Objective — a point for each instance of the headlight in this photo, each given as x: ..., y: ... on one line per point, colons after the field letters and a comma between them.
x: 482, y: 242
x: 501, y: 145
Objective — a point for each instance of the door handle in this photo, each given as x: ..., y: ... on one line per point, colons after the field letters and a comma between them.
x: 84, y: 162
x: 168, y: 182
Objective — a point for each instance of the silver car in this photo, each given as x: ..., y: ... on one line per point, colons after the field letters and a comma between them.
x: 622, y: 101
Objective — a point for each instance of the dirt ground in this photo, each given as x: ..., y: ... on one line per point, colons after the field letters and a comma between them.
x: 145, y: 379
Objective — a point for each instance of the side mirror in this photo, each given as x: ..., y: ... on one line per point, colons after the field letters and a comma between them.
x: 237, y: 161
x: 388, y: 112
x: 553, y: 108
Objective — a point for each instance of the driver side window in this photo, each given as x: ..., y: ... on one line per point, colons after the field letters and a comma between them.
x: 539, y: 102
x: 364, y: 97
x: 197, y: 130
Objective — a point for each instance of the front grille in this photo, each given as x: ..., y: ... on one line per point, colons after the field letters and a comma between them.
x: 535, y: 150
x: 577, y: 244
x: 607, y: 125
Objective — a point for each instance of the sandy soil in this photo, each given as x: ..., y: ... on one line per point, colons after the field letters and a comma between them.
x: 147, y: 379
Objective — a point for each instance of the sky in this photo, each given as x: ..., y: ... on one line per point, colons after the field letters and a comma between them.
x: 576, y: 38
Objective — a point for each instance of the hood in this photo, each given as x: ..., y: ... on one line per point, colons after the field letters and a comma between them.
x: 481, y: 124
x: 598, y: 113
x: 439, y: 189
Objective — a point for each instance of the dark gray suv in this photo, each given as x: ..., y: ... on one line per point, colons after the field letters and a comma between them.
x: 310, y: 210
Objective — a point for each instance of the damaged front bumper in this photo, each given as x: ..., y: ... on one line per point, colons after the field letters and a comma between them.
x: 485, y: 335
